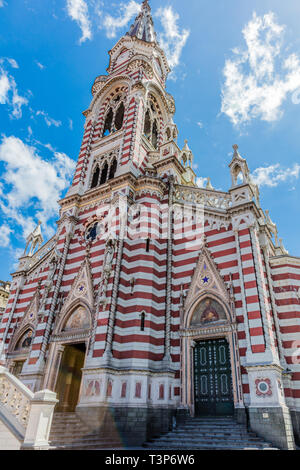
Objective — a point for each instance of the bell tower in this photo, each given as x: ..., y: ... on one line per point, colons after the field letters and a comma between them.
x: 130, y: 119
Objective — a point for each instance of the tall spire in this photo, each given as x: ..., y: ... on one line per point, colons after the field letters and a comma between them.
x: 143, y: 27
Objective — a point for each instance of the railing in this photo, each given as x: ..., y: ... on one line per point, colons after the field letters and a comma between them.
x: 27, y: 262
x: 27, y: 415
x: 15, y: 397
x: 43, y: 250
x: 203, y: 197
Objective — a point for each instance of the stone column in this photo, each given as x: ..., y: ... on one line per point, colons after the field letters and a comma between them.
x: 40, y: 420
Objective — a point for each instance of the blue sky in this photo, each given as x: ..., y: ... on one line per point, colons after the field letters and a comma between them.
x: 235, y: 79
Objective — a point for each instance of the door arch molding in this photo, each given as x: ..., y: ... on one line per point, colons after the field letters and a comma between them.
x: 190, y: 334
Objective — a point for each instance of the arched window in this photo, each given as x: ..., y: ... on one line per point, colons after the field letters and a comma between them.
x: 154, y: 135
x: 147, y: 126
x: 104, y: 174
x: 108, y: 123
x: 151, y: 124
x: 95, y: 179
x: 78, y: 320
x: 25, y: 341
x: 91, y: 232
x: 115, y: 116
x: 119, y: 117
x: 113, y: 169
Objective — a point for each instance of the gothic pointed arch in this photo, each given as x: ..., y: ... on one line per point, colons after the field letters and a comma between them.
x: 104, y: 173
x: 81, y: 294
x: 78, y: 316
x: 95, y: 177
x: 107, y: 128
x: 207, y: 284
x: 28, y: 322
x: 119, y: 117
x: 113, y: 169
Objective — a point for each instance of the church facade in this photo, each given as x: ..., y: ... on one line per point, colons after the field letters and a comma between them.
x: 156, y: 299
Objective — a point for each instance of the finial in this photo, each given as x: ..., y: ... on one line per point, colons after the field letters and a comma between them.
x: 235, y: 148
x: 208, y: 184
x: 145, y: 4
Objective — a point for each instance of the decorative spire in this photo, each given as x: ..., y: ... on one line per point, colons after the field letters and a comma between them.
x: 208, y: 184
x: 34, y: 240
x: 143, y: 27
x: 236, y: 151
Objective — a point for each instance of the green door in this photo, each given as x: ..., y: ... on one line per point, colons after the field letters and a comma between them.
x: 212, y: 378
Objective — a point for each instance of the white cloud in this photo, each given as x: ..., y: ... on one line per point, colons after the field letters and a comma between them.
x: 78, y: 11
x: 41, y: 66
x: 13, y: 63
x: 127, y: 12
x: 70, y: 124
x: 31, y: 185
x: 273, y: 175
x: 259, y: 77
x: 172, y: 40
x: 5, y: 232
x: 49, y: 121
x: 17, y: 102
x: 200, y: 124
x: 9, y: 93
x: 1, y: 3
x: 4, y: 87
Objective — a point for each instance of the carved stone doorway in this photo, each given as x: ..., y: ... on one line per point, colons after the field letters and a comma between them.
x: 69, y: 377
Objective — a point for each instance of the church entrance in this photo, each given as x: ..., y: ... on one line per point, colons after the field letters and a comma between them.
x: 69, y: 377
x: 212, y: 378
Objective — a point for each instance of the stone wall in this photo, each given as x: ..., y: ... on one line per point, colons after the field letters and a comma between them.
x: 127, y: 425
x: 274, y: 425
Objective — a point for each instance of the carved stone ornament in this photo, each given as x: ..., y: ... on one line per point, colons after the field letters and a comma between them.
x: 263, y: 387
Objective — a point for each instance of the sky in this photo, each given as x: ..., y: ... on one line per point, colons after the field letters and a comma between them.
x: 235, y: 80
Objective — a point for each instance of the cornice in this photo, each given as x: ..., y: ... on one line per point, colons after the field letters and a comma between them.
x: 124, y: 371
x: 279, y: 258
x: 167, y: 161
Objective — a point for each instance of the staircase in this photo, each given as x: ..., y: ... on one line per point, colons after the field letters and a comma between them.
x: 209, y: 433
x: 68, y: 432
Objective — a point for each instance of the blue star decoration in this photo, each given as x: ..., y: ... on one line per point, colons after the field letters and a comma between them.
x: 205, y: 280
x: 81, y: 288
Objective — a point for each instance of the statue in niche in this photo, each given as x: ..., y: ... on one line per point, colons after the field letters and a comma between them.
x: 107, y: 267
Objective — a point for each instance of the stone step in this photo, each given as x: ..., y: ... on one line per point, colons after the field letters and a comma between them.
x: 210, y: 447
x: 87, y: 447
x: 208, y: 434
x: 171, y: 439
x: 200, y: 435
x: 84, y: 442
x: 195, y: 440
